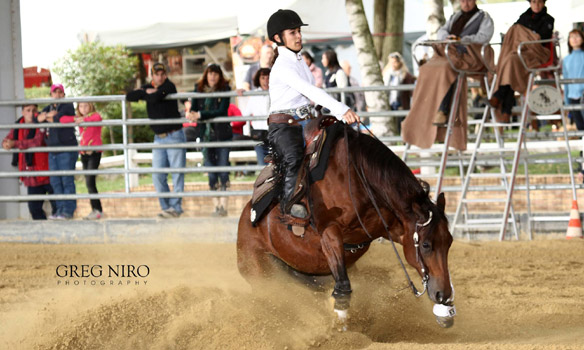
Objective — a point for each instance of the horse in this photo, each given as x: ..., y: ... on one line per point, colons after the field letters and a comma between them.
x: 367, y: 192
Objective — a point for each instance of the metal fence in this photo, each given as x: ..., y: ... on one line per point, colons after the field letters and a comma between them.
x: 129, y: 149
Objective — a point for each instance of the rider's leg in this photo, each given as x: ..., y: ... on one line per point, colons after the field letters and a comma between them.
x: 288, y: 142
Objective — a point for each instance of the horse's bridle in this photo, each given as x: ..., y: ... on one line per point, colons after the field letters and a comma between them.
x: 416, y: 237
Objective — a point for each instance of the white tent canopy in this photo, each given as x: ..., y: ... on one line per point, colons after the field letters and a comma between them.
x: 165, y: 35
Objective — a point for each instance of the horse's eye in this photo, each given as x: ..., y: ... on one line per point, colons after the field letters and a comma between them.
x: 426, y: 246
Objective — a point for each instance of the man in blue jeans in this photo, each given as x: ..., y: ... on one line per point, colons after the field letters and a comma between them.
x: 61, y: 160
x: 154, y: 93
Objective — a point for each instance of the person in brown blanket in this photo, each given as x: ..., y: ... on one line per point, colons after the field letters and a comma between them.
x: 436, y: 82
x: 533, y: 24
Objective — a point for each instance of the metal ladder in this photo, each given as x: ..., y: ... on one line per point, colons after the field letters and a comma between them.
x: 501, y: 152
x: 462, y: 74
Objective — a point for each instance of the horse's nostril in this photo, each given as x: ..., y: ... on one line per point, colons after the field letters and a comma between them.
x: 439, y: 297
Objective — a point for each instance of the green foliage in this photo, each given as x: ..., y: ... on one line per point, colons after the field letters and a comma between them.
x: 93, y: 70
x: 137, y: 133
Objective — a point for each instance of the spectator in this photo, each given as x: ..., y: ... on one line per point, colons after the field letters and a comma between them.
x: 435, y: 85
x: 207, y: 108
x: 236, y: 127
x: 61, y: 160
x: 533, y: 24
x: 316, y: 71
x: 259, y: 105
x: 37, y: 161
x: 358, y: 97
x: 573, y: 68
x: 266, y: 57
x: 90, y: 136
x: 158, y: 107
x: 396, y: 73
x: 334, y: 75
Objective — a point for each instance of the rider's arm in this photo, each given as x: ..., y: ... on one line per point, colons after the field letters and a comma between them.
x: 318, y: 96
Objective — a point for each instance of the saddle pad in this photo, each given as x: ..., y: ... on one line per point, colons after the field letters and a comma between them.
x: 333, y: 132
x: 263, y: 192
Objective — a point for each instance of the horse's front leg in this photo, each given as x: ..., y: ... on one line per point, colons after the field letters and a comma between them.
x: 332, y: 246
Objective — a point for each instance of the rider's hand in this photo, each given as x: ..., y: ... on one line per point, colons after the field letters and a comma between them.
x: 351, y: 117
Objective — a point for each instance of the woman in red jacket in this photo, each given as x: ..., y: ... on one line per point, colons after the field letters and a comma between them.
x: 90, y: 136
x: 38, y: 161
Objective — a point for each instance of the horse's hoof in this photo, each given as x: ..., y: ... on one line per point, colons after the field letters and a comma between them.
x: 444, y: 315
x: 445, y: 322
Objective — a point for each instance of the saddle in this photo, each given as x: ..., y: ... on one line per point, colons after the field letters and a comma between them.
x: 320, y: 135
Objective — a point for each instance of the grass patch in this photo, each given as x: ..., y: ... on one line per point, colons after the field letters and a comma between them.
x: 113, y: 183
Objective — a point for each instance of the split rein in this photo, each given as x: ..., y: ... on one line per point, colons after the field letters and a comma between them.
x: 416, y: 236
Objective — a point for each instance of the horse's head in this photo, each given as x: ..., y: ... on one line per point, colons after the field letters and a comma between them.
x: 426, y: 248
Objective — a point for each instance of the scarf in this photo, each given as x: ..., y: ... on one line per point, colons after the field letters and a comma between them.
x: 28, y: 157
x: 461, y: 21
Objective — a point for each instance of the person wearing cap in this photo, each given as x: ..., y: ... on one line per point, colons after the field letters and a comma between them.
x: 158, y: 107
x: 291, y: 90
x: 61, y: 160
x: 37, y: 161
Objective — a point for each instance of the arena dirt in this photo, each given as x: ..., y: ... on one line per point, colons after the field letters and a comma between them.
x: 509, y: 295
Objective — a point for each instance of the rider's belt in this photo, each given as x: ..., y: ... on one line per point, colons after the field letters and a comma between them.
x: 282, y: 118
x: 287, y: 115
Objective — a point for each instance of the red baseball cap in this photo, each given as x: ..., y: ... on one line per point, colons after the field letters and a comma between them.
x: 57, y: 86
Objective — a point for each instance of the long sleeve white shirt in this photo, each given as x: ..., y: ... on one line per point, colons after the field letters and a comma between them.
x: 291, y: 85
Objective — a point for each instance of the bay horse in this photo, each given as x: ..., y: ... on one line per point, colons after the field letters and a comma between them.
x: 367, y: 192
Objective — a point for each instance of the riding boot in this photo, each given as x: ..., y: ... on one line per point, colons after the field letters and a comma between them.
x: 290, y: 191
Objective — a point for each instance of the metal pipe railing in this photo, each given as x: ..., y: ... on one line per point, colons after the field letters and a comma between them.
x: 125, y: 146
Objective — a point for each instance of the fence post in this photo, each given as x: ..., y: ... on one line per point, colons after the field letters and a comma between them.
x: 126, y: 150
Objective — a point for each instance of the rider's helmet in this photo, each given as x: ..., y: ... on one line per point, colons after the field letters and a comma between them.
x: 282, y: 20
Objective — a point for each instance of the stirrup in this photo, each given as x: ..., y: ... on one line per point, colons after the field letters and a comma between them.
x: 299, y: 211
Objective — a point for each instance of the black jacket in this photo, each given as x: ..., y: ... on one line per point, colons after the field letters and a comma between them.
x: 541, y: 23
x: 61, y: 136
x: 210, y: 108
x: 156, y: 105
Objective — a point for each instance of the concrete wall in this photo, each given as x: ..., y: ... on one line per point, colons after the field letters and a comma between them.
x: 11, y: 88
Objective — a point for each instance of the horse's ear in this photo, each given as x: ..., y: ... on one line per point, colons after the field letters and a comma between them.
x: 441, y: 201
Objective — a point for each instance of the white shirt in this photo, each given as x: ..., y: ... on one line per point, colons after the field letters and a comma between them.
x: 258, y: 106
x: 291, y: 85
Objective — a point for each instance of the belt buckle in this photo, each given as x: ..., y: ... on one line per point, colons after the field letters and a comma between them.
x: 303, y: 112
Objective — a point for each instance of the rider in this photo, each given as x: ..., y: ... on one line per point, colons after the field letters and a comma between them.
x: 291, y: 90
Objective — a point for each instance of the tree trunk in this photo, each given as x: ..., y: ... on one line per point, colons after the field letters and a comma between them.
x: 369, y: 65
x: 379, y: 20
x: 435, y: 10
x: 394, y: 29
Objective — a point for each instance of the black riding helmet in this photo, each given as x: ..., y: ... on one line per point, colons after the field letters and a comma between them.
x: 282, y: 20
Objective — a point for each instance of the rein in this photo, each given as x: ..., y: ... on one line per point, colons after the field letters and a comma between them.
x: 361, y: 175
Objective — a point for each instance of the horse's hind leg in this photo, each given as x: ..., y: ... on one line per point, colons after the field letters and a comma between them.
x: 332, y: 246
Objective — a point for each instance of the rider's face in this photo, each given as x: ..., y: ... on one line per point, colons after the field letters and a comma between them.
x: 293, y: 39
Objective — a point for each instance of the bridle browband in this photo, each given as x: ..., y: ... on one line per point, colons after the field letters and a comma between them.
x: 361, y: 175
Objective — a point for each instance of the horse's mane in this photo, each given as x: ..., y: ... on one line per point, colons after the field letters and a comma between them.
x: 389, y: 177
